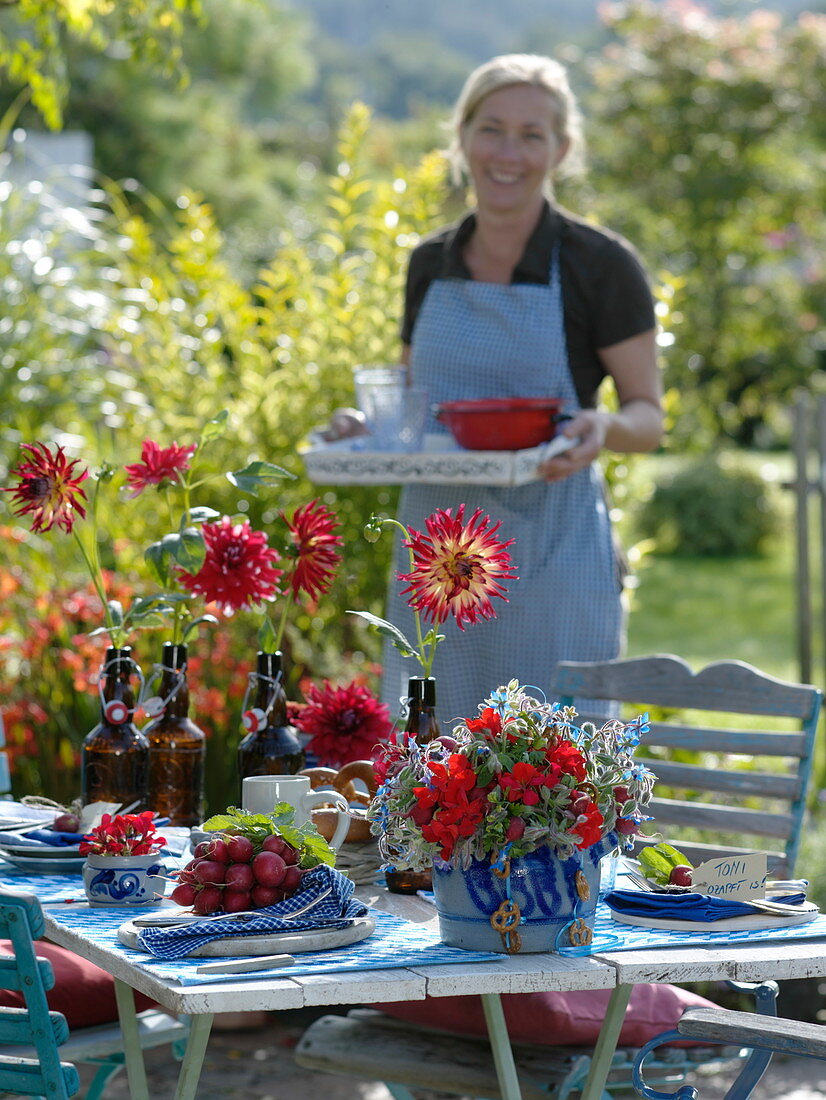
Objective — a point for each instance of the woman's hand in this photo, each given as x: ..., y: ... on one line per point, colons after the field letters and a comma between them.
x: 589, y: 428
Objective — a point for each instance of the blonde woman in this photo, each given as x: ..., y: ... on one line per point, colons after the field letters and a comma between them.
x: 523, y: 298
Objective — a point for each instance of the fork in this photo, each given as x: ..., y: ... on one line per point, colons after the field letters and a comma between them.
x: 777, y: 908
x: 193, y: 919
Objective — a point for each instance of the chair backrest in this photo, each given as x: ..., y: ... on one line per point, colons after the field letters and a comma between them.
x: 21, y: 922
x: 721, y: 798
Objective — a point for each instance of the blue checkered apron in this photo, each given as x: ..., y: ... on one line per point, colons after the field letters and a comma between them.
x: 474, y: 340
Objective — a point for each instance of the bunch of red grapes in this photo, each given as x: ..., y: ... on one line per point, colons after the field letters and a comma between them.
x: 231, y: 873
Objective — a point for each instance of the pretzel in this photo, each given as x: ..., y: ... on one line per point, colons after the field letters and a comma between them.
x: 326, y: 817
x: 329, y: 777
x: 357, y: 769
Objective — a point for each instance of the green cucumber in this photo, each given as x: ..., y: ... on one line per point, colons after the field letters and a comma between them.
x: 658, y: 861
x: 677, y: 858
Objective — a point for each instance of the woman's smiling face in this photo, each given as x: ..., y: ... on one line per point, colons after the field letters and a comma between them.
x: 511, y: 145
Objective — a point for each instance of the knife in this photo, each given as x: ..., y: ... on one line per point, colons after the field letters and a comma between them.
x: 246, y: 966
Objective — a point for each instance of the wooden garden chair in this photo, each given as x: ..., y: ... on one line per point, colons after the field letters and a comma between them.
x: 35, y: 1039
x: 711, y: 804
x: 708, y: 805
x: 764, y: 1035
x: 723, y: 799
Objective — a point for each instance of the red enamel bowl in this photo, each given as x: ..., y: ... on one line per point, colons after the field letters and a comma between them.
x: 501, y: 423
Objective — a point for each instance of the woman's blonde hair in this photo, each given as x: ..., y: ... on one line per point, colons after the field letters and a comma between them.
x: 520, y: 68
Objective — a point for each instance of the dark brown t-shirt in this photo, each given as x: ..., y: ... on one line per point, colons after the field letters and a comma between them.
x: 605, y: 291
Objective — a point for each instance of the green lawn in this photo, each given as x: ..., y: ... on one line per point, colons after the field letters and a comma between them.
x: 706, y: 609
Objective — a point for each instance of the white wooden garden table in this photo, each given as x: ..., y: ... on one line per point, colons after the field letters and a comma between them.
x: 618, y: 971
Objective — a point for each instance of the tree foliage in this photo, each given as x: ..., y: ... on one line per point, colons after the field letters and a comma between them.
x: 707, y: 147
x: 34, y: 33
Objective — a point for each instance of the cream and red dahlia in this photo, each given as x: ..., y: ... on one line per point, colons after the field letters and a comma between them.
x: 158, y: 465
x: 313, y: 535
x: 49, y: 489
x: 238, y: 569
x: 457, y: 567
x: 346, y: 723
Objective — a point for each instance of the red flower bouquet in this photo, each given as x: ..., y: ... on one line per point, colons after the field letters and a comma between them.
x: 123, y: 835
x: 519, y: 776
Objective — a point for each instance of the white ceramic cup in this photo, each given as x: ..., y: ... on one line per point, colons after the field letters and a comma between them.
x: 260, y: 793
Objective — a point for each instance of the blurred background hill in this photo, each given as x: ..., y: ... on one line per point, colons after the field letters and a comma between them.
x: 398, y: 56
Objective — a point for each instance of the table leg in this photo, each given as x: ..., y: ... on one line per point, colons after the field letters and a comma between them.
x: 500, y: 1044
x: 200, y: 1027
x: 133, y: 1053
x: 606, y: 1044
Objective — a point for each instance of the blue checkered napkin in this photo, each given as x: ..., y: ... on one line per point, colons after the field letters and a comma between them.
x: 330, y: 912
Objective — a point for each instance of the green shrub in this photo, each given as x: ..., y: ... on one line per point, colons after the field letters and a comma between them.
x: 711, y: 507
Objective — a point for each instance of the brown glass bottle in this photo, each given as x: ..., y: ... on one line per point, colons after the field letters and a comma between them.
x: 272, y: 746
x: 421, y: 724
x: 115, y: 754
x: 177, y: 747
x: 421, y: 720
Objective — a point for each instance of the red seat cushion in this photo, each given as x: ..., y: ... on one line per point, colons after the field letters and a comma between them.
x: 83, y: 992
x: 555, y: 1019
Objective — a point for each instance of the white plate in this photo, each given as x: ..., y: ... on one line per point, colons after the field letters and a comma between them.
x: 40, y: 851
x: 751, y: 922
x: 49, y: 866
x: 268, y: 943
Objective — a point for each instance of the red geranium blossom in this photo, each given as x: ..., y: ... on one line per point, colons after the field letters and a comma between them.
x: 312, y: 531
x: 346, y: 723
x: 459, y: 803
x: 489, y: 721
x: 568, y: 758
x: 158, y: 465
x: 49, y: 488
x: 123, y: 835
x: 238, y: 569
x: 523, y: 781
x: 457, y: 567
x: 588, y: 826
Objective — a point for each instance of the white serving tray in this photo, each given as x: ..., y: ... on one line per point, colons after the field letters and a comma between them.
x: 441, y: 462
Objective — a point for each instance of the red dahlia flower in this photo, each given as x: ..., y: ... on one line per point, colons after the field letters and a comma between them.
x: 238, y: 569
x: 346, y: 723
x: 457, y: 567
x: 49, y: 488
x: 312, y: 530
x: 158, y: 465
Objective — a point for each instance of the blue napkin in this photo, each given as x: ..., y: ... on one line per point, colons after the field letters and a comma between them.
x: 332, y: 911
x: 689, y: 907
x: 38, y: 837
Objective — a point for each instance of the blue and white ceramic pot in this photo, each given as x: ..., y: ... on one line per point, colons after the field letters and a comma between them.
x: 124, y: 880
x: 544, y: 904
